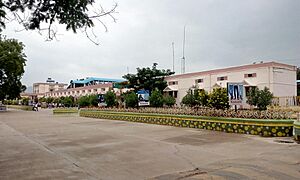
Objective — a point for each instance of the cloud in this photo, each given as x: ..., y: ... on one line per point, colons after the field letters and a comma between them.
x: 219, y: 34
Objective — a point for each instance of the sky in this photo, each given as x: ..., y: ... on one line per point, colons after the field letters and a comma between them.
x: 218, y: 34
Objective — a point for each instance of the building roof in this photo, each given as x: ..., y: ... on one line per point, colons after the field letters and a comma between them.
x: 89, y: 79
x: 235, y: 68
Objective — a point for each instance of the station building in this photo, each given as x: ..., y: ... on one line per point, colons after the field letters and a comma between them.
x: 278, y: 77
x: 87, y: 86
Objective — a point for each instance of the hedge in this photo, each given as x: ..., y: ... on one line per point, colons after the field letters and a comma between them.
x: 231, y: 125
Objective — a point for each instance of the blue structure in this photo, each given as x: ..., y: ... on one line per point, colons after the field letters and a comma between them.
x: 92, y: 81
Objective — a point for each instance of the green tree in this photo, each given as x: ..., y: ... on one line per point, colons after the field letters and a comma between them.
x: 83, y: 101
x: 68, y: 101
x: 169, y: 101
x: 93, y: 100
x: 12, y: 62
x: 156, y: 99
x: 75, y: 14
x: 148, y: 78
x: 218, y: 98
x: 25, y: 101
x: 201, y: 97
x: 131, y: 99
x: 110, y: 99
x: 189, y: 99
x: 49, y: 100
x: 260, y: 98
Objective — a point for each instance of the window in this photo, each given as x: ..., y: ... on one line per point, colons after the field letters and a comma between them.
x: 173, y: 82
x: 199, y: 80
x: 223, y: 78
x: 250, y: 75
x: 102, y: 89
x: 95, y: 90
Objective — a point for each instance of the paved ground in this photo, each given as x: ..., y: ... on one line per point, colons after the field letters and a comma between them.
x: 39, y: 145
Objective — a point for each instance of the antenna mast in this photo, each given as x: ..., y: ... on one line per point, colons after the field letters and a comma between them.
x: 173, y: 56
x: 183, y: 58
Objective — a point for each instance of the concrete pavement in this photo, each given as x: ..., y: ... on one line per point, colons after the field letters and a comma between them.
x: 39, y: 145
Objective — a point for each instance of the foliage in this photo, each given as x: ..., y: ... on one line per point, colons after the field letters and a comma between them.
x: 218, y: 98
x: 195, y: 97
x: 260, y: 98
x: 156, y: 99
x: 148, y: 78
x: 83, y: 101
x: 49, y: 100
x: 68, y: 101
x: 25, y: 101
x: 131, y: 100
x: 75, y: 14
x: 169, y: 101
x: 298, y: 73
x: 189, y: 99
x: 12, y: 62
x: 201, y: 97
x: 93, y: 100
x: 110, y: 99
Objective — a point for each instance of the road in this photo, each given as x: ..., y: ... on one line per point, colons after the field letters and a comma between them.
x: 40, y: 145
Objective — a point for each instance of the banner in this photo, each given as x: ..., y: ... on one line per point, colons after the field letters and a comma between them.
x: 143, y: 97
x: 235, y: 93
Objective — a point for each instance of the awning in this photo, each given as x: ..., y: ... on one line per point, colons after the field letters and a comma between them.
x: 171, y: 88
x: 247, y: 83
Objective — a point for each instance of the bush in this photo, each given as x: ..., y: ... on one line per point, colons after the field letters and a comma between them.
x: 189, y: 99
x: 68, y: 101
x: 260, y: 98
x: 156, y: 99
x: 131, y: 100
x: 169, y: 101
x: 219, y: 99
x: 110, y: 99
x: 93, y: 100
x: 83, y: 101
x: 201, y: 97
x: 25, y: 101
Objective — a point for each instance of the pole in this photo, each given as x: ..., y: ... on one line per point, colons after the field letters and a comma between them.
x: 173, y: 56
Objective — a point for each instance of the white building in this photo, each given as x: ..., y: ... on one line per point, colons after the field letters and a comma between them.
x: 278, y: 77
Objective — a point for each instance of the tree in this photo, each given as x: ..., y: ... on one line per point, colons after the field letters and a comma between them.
x: 169, y: 101
x: 12, y: 62
x: 148, y: 78
x: 131, y: 100
x: 156, y: 99
x: 201, y: 97
x: 75, y: 14
x: 218, y: 98
x: 260, y: 98
x: 93, y: 100
x: 83, y: 101
x: 68, y: 101
x: 189, y: 99
x: 110, y: 99
x: 298, y: 73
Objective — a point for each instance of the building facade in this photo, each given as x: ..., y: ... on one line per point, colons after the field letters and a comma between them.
x: 278, y: 77
x: 49, y: 86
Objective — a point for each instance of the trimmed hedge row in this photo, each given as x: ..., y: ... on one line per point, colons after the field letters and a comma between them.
x: 231, y: 125
x: 65, y: 110
x: 297, y: 130
x: 21, y: 107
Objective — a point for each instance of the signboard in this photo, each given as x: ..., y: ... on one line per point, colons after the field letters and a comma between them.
x: 101, y: 100
x: 143, y: 97
x: 235, y: 93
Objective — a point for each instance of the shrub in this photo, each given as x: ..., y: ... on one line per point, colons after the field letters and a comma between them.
x: 156, y: 99
x: 260, y: 98
x: 201, y: 97
x: 83, y: 101
x: 189, y: 99
x: 169, y: 101
x: 68, y: 101
x: 131, y: 100
x: 93, y: 100
x: 25, y: 101
x: 219, y: 99
x: 110, y: 99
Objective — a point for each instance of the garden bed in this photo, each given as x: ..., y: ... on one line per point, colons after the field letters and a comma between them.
x: 21, y: 107
x: 262, y: 127
x: 65, y: 110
